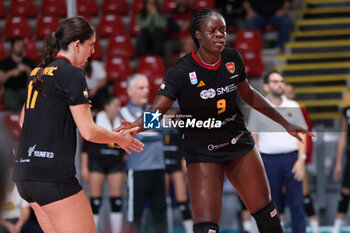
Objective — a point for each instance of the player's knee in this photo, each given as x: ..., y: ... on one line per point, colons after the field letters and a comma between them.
x: 185, y: 210
x: 116, y: 204
x: 308, y: 205
x: 268, y: 220
x: 343, y: 203
x: 205, y: 227
x: 96, y: 203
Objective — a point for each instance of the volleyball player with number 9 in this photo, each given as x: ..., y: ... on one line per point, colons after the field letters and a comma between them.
x: 206, y: 83
x: 56, y: 104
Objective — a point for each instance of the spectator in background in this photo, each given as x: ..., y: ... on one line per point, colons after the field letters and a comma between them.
x: 283, y: 156
x: 100, y: 162
x: 145, y: 169
x: 15, y: 210
x: 274, y: 12
x: 343, y: 147
x: 233, y: 12
x: 96, y: 80
x: 151, y: 38
x: 308, y: 203
x: 178, y: 26
x: 14, y: 71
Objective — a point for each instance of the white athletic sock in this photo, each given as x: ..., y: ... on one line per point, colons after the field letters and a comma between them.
x: 315, y: 227
x: 337, y: 224
x: 116, y: 222
x: 247, y: 226
x: 188, y: 225
x: 96, y: 218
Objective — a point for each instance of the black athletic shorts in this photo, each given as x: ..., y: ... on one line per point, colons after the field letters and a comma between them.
x: 346, y: 175
x: 172, y: 164
x: 45, y: 193
x: 106, y: 164
x: 197, y: 158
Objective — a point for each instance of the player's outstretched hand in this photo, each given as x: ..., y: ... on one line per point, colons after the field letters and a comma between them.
x: 128, y: 142
x: 294, y: 130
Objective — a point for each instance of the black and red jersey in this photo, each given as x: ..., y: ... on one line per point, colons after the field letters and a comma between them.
x: 48, y: 141
x: 210, y: 93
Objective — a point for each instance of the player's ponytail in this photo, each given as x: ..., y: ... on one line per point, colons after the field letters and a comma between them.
x: 69, y: 30
x: 49, y: 53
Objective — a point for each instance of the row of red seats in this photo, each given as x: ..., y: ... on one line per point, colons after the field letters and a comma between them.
x: 118, y: 71
x: 27, y: 8
x: 249, y: 44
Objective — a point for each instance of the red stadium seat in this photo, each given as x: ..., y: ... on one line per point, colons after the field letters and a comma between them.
x: 120, y: 46
x: 3, y: 12
x: 153, y: 67
x: 17, y: 26
x: 98, y: 55
x: 168, y: 5
x: 87, y: 7
x: 137, y: 6
x: 248, y: 39
x: 31, y: 50
x: 201, y: 4
x: 11, y: 121
x: 134, y: 29
x: 25, y: 8
x: 119, y: 7
x: 3, y: 53
x: 110, y: 25
x: 120, y: 90
x: 54, y: 7
x: 118, y: 68
x: 254, y: 65
x: 45, y: 25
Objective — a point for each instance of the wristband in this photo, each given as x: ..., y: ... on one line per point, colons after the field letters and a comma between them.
x: 302, y: 156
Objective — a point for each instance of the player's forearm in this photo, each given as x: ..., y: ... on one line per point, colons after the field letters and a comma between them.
x: 98, y: 134
x: 258, y: 102
x: 161, y: 104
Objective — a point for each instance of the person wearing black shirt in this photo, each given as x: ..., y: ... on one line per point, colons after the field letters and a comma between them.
x: 56, y: 105
x: 14, y: 71
x: 206, y: 83
x: 274, y: 12
x: 103, y: 162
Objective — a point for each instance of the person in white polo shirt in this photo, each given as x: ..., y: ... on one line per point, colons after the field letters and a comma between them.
x: 283, y: 156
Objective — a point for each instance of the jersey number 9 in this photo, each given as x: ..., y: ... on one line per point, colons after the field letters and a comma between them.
x: 221, y: 105
x: 31, y: 104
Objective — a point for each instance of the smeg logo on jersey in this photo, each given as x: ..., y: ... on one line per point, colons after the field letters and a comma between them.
x: 211, y: 93
x: 206, y: 94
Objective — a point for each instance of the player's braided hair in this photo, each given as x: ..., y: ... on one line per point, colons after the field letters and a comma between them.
x: 69, y: 30
x: 197, y: 21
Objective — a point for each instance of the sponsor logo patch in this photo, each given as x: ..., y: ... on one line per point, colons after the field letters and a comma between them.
x: 201, y: 84
x: 193, y: 78
x: 230, y: 67
x: 273, y: 213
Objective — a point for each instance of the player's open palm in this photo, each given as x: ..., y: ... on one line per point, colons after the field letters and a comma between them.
x: 295, y: 130
x: 128, y: 142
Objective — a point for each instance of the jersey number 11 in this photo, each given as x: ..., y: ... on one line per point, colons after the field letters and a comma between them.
x: 31, y: 104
